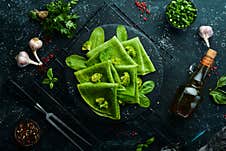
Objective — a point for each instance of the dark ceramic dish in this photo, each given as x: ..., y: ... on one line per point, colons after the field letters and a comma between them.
x: 27, y: 133
x: 187, y: 12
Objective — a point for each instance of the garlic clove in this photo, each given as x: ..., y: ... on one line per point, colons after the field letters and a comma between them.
x: 36, y: 56
x: 206, y: 32
x: 207, y: 42
x: 35, y: 44
x: 33, y: 62
x: 23, y: 59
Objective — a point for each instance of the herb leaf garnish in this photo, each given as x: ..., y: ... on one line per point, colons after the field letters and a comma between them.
x: 50, y: 80
x: 219, y: 95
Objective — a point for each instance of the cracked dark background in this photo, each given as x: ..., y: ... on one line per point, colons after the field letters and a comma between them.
x: 179, y: 49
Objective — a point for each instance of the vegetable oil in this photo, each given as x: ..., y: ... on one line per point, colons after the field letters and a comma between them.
x: 188, y: 96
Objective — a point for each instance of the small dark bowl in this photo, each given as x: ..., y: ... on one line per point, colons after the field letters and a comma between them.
x: 23, y: 125
x: 186, y: 26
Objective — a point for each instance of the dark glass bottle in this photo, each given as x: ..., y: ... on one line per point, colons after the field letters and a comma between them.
x: 188, y: 96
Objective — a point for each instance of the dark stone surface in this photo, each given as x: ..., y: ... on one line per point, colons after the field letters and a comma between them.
x: 178, y: 49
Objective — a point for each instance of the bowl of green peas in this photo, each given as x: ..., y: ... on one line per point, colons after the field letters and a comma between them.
x: 181, y: 13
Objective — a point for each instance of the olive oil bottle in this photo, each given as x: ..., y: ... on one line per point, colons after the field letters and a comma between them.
x: 188, y: 96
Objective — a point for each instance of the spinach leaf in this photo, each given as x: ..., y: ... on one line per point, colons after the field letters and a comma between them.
x: 144, y: 101
x: 97, y: 37
x: 121, y: 33
x: 147, y: 87
x: 76, y: 62
x: 221, y: 82
x: 219, y: 96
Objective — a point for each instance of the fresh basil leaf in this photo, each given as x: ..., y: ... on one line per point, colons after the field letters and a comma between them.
x: 219, y: 96
x: 50, y: 73
x: 144, y: 101
x: 139, y: 147
x: 150, y: 140
x: 46, y: 81
x: 97, y: 37
x: 51, y: 85
x: 76, y: 62
x: 55, y: 80
x: 221, y: 82
x: 121, y: 33
x: 147, y: 87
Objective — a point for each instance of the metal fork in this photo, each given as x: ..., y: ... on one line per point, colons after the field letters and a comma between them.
x: 50, y: 116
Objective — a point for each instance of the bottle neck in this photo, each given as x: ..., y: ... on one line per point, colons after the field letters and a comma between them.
x: 207, y: 61
x: 199, y: 76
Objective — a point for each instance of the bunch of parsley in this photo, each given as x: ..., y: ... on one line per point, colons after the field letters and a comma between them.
x: 60, y: 18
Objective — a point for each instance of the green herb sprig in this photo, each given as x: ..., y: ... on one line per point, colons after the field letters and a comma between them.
x: 58, y: 17
x: 50, y: 80
x: 181, y: 13
x: 219, y: 95
x: 146, y: 144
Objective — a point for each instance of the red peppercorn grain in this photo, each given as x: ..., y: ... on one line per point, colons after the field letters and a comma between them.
x: 27, y: 133
x: 143, y: 7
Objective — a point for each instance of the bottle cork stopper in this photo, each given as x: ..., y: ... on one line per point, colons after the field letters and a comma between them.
x: 211, y: 53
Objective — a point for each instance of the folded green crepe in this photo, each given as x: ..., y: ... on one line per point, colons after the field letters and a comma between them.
x: 93, y: 93
x: 109, y: 74
x: 145, y: 65
x: 130, y: 92
x: 110, y: 50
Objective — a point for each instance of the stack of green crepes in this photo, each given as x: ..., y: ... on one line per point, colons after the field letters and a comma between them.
x: 110, y: 75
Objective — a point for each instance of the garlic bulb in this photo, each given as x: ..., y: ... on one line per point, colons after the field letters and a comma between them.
x: 206, y: 32
x: 35, y: 44
x: 23, y: 60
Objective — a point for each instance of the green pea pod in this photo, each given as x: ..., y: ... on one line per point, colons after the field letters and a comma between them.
x: 121, y: 33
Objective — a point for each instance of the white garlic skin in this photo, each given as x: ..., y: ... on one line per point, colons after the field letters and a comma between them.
x: 206, y: 32
x: 23, y: 59
x: 35, y: 44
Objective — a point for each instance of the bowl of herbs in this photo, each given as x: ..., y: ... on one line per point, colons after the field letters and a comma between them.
x: 181, y: 13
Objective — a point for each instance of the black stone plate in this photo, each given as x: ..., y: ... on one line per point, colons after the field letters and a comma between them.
x: 130, y: 111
